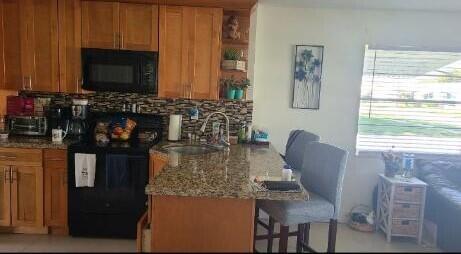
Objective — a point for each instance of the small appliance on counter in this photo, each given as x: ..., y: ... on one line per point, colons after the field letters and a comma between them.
x: 78, y: 125
x: 19, y: 106
x: 58, y: 117
x: 28, y: 125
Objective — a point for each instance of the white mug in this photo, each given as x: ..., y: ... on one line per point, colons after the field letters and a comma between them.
x: 58, y: 135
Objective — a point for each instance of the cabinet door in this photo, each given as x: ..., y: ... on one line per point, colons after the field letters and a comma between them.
x: 205, y: 53
x: 174, y: 51
x: 56, y: 196
x: 100, y: 25
x: 42, y: 73
x: 70, y: 42
x: 27, y: 196
x: 13, y: 30
x: 139, y: 26
x: 5, y: 216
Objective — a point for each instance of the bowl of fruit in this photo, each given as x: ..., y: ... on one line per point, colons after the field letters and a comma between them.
x: 121, y: 129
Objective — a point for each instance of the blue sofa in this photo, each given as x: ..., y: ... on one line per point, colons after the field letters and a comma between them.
x: 443, y: 202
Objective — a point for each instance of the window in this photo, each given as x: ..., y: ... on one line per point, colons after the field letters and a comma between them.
x: 410, y: 101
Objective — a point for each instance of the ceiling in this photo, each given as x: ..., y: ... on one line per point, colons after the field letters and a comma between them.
x: 417, y: 5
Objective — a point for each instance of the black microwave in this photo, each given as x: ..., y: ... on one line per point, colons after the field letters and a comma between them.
x: 128, y: 71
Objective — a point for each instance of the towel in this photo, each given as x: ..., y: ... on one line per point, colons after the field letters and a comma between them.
x: 117, y: 171
x: 85, y: 169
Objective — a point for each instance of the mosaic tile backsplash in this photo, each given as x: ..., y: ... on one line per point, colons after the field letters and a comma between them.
x: 238, y: 111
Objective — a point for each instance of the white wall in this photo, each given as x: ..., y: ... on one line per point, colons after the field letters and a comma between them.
x: 344, y: 34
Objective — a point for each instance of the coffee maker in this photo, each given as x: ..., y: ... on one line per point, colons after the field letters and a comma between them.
x: 58, y: 118
x: 78, y: 126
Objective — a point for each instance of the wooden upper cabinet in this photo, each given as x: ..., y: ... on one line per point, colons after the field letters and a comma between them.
x: 206, y: 53
x: 41, y: 68
x: 190, y: 46
x: 139, y: 27
x: 100, y: 25
x: 70, y: 42
x: 173, y: 51
x: 12, y: 34
x: 5, y: 215
x: 27, y: 196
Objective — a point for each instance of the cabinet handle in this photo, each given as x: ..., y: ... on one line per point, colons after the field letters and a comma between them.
x: 77, y: 85
x: 6, y: 172
x: 30, y: 82
x: 190, y: 90
x: 24, y: 83
x: 14, y: 174
x: 121, y: 40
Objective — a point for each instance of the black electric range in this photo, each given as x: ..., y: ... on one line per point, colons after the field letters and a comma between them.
x: 104, y: 210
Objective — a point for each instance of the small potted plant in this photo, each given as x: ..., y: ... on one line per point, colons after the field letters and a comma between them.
x: 230, y: 85
x: 232, y: 60
x: 392, y: 163
x: 243, y: 84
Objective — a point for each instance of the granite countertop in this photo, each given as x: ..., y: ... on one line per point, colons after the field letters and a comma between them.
x: 223, y: 174
x: 33, y: 142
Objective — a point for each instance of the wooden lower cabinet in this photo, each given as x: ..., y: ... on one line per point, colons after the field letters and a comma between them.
x: 33, y: 191
x: 200, y: 224
x: 55, y: 167
x: 26, y: 196
x: 5, y: 211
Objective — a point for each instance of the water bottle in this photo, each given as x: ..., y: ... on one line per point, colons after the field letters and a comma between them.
x: 408, y: 164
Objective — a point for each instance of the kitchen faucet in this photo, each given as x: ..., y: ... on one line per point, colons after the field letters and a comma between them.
x: 202, y: 129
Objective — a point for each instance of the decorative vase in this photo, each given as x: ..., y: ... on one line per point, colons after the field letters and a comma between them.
x: 231, y: 93
x: 391, y: 169
x: 238, y: 94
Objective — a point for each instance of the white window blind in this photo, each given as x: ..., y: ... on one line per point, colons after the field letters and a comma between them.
x: 410, y: 101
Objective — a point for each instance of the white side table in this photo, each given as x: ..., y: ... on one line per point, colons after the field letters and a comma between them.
x: 400, y: 208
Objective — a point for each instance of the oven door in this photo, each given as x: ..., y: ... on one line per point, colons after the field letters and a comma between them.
x: 119, y: 71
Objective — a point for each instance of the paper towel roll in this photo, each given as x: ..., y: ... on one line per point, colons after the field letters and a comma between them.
x: 174, y: 129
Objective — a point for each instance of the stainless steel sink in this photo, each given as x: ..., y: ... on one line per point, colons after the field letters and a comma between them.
x: 192, y: 149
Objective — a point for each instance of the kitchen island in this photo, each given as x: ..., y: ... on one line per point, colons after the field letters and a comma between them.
x: 206, y: 202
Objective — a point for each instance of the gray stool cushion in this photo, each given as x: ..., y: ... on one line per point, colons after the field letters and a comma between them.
x: 316, y: 209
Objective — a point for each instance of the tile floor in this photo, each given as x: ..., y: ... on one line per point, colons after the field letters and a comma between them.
x: 347, y: 241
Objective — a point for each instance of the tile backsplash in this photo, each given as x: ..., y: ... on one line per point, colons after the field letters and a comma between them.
x: 238, y: 111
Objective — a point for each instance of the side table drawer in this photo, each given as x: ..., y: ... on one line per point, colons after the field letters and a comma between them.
x: 407, y: 211
x: 408, y: 194
x: 405, y: 227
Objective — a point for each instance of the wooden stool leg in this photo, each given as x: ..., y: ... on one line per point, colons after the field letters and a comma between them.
x: 255, y: 228
x: 270, y: 233
x: 283, y: 241
x: 307, y: 229
x: 300, y: 238
x: 332, y: 235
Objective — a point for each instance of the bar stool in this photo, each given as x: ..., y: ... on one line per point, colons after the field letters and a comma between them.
x: 322, y: 175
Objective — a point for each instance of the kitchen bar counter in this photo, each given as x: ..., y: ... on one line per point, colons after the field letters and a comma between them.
x: 224, y: 174
x: 33, y: 142
x: 207, y: 202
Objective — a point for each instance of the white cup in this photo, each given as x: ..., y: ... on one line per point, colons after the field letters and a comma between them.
x: 286, y: 174
x: 58, y: 135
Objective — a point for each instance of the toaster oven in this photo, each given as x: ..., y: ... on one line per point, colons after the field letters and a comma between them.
x: 28, y: 125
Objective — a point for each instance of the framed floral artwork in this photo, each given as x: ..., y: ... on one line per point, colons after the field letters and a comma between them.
x: 307, y: 76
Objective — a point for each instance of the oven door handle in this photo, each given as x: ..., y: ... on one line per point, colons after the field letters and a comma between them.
x: 24, y: 126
